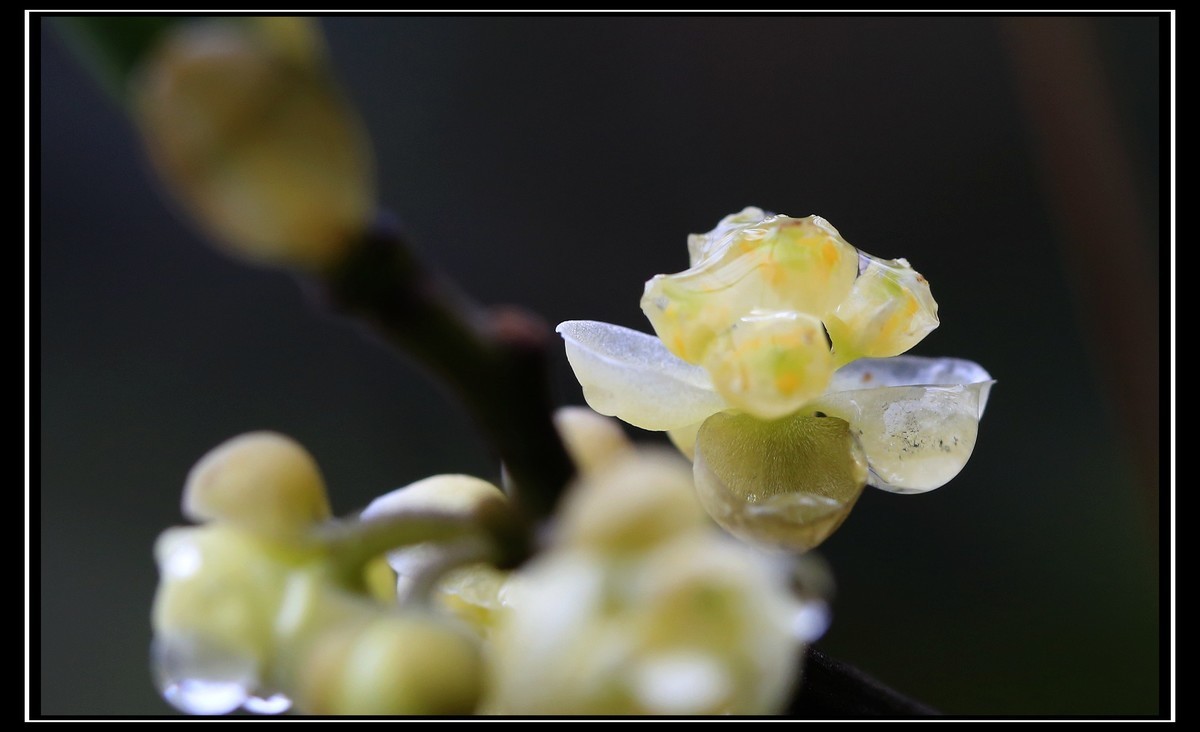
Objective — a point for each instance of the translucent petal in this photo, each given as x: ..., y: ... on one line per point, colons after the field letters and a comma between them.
x: 632, y: 376
x: 917, y: 418
x: 887, y: 311
x: 787, y: 483
x: 701, y: 246
x: 775, y: 264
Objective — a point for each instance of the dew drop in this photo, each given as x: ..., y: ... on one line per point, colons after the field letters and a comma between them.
x: 196, y: 677
x: 811, y: 620
x: 274, y: 704
x: 681, y: 683
x: 183, y: 561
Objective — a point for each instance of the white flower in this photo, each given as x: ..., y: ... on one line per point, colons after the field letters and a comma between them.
x: 768, y: 372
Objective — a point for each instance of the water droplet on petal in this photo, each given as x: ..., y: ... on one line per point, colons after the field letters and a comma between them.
x: 811, y: 620
x: 682, y: 683
x: 196, y: 677
x: 182, y: 561
x: 276, y: 703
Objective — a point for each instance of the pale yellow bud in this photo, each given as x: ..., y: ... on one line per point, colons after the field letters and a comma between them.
x: 695, y: 624
x: 640, y: 499
x: 592, y: 440
x: 264, y: 482
x: 452, y: 494
x: 393, y: 665
x: 248, y: 131
x: 469, y: 592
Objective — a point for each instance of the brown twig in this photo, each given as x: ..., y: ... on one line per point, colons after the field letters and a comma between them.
x: 834, y: 690
x: 494, y: 360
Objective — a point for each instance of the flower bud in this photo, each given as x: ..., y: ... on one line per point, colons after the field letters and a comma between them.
x: 246, y: 128
x: 264, y: 482
x: 639, y: 500
x: 469, y: 592
x: 592, y: 440
x: 396, y: 664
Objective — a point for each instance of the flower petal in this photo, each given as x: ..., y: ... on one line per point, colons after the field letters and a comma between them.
x: 917, y: 418
x: 632, y: 376
x: 787, y: 483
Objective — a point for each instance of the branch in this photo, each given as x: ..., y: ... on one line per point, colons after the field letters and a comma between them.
x: 494, y: 360
x: 834, y: 690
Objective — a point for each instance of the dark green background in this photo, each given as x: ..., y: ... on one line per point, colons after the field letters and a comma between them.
x: 558, y: 163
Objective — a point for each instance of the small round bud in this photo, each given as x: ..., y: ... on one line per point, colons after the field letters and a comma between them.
x: 264, y: 482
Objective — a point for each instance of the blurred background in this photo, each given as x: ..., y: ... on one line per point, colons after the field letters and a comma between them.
x: 558, y: 163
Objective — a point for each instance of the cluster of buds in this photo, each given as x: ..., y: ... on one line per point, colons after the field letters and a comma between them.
x: 636, y: 603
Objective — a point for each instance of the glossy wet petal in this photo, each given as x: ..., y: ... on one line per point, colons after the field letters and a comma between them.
x: 786, y: 483
x: 774, y: 265
x: 632, y: 376
x: 917, y: 418
x: 887, y: 311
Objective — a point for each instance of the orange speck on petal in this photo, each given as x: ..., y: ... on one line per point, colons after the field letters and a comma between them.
x: 787, y: 383
x: 829, y: 254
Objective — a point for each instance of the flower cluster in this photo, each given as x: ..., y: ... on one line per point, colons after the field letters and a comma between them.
x: 635, y: 605
x: 777, y: 367
x: 260, y: 607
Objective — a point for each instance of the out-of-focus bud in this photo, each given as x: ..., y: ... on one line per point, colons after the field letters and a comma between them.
x: 396, y: 664
x: 264, y: 482
x: 641, y: 499
x: 246, y: 127
x: 641, y: 606
x: 452, y: 494
x: 591, y: 439
x: 470, y: 592
x: 697, y: 625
